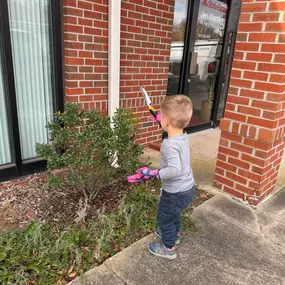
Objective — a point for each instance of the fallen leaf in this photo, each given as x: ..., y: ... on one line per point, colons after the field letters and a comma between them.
x: 70, y: 269
x: 30, y: 215
x: 72, y: 275
x: 61, y: 282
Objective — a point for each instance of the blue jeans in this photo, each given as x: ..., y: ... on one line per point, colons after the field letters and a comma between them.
x: 170, y: 207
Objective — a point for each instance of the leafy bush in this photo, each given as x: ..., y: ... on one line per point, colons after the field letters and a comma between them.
x: 125, y: 131
x: 89, y: 145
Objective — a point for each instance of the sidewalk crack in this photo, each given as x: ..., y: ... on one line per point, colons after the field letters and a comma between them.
x: 255, y: 213
x: 115, y: 273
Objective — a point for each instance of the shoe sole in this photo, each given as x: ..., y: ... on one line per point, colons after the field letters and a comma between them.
x: 163, y: 256
x: 177, y: 242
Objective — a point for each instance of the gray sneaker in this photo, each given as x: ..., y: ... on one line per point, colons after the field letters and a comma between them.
x: 159, y: 249
x: 158, y: 234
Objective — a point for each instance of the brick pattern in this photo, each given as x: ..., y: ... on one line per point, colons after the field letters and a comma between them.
x: 86, y: 53
x: 253, y: 129
x: 146, y: 28
x: 247, y: 170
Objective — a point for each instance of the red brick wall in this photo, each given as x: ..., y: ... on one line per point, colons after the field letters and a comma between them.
x: 86, y: 53
x: 252, y: 140
x: 146, y: 28
x: 145, y: 49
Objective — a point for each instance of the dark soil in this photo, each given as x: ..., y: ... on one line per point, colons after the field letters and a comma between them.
x: 200, y: 197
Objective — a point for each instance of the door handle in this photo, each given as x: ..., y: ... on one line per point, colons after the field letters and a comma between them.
x: 193, y: 62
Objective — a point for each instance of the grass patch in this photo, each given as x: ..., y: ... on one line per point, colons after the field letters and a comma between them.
x: 46, y: 254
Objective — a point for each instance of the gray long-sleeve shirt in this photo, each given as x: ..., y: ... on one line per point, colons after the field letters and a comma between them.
x: 175, y: 170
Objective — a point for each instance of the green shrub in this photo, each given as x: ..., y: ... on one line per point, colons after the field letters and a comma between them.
x: 125, y: 131
x: 89, y: 145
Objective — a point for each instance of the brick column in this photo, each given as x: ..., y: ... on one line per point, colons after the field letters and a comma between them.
x: 86, y: 53
x: 253, y: 128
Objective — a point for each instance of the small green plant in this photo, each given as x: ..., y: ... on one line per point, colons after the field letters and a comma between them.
x: 136, y: 217
x: 88, y: 146
x: 47, y: 253
x: 41, y: 254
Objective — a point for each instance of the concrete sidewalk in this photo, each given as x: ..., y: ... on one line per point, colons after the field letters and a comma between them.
x: 235, y: 244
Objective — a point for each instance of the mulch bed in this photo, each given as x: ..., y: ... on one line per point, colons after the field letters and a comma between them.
x: 35, y: 200
x: 20, y: 204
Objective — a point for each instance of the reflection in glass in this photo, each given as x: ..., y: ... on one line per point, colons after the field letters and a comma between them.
x: 226, y: 77
x: 177, y: 46
x: 5, y: 150
x: 208, y: 46
x: 30, y: 27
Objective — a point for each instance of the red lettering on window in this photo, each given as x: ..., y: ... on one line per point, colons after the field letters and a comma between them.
x: 205, y: 3
x: 215, y: 6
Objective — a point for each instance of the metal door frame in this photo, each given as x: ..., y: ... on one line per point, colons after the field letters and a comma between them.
x: 232, y: 20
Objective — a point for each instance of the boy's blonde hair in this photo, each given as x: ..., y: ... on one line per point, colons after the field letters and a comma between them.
x: 178, y: 109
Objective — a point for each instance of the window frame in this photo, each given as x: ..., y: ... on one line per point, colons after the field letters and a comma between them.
x: 20, y: 167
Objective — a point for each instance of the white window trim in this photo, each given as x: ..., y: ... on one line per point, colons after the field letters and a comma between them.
x: 114, y: 38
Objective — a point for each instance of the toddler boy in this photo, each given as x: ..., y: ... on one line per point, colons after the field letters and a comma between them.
x: 175, y: 173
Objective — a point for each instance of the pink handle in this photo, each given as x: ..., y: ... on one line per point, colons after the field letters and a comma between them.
x: 158, y: 117
x: 136, y: 178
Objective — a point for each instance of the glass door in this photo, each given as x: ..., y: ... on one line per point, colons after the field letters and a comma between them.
x: 206, y: 58
x: 177, y: 46
x: 198, y: 56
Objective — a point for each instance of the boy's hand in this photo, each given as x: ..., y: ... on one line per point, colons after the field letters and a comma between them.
x: 136, y: 178
x: 157, y: 118
x: 148, y: 173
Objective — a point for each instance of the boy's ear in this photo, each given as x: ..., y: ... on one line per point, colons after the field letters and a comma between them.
x: 166, y: 122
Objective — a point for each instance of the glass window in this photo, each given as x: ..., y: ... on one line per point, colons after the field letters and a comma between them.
x: 30, y: 28
x: 177, y: 46
x: 5, y: 149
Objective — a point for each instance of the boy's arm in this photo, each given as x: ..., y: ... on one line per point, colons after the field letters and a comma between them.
x: 173, y: 168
